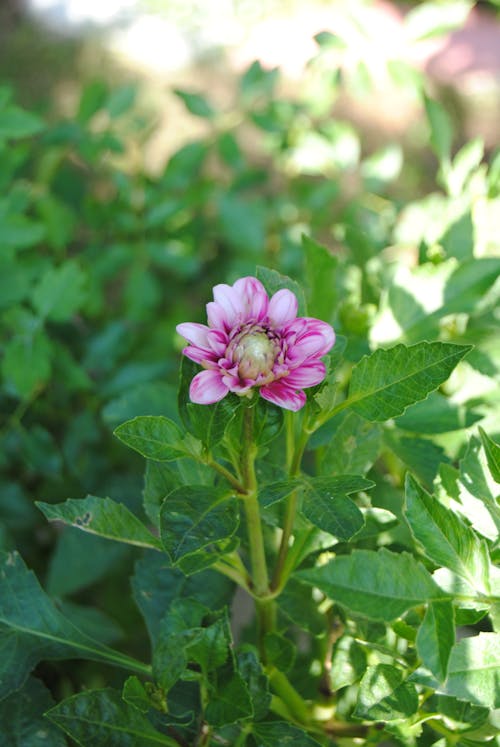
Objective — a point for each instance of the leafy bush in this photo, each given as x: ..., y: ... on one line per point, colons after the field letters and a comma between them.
x: 385, y: 480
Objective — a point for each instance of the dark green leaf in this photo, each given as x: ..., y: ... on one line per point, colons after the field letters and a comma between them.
x: 231, y: 700
x: 21, y: 718
x: 385, y: 383
x: 436, y: 637
x: 27, y: 362
x: 280, y: 651
x: 383, y: 696
x: 103, y: 517
x: 134, y: 693
x: 282, y: 733
x: 196, y: 517
x: 256, y: 681
x: 353, y: 448
x: 377, y: 585
x: 492, y: 451
x: 420, y: 455
x: 155, y: 437
x: 326, y: 505
x: 273, y: 282
x: 103, y: 719
x: 160, y: 479
x: 60, y: 292
x: 436, y: 415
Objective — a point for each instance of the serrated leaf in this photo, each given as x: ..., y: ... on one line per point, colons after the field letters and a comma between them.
x: 155, y: 437
x: 377, y: 585
x: 60, y: 292
x: 353, y: 448
x: 384, y: 696
x: 134, y: 693
x: 474, y: 670
x: 492, y: 451
x: 21, y: 718
x: 326, y: 505
x: 436, y: 414
x: 282, y: 733
x: 256, y: 681
x: 103, y: 719
x: 421, y: 456
x: 195, y: 517
x: 477, y: 492
x: 230, y: 701
x: 273, y: 282
x: 33, y: 629
x: 348, y: 663
x: 385, y: 383
x: 445, y: 539
x: 436, y: 637
x: 103, y: 517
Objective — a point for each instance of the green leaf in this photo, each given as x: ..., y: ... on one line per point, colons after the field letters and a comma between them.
x: 436, y: 637
x: 195, y: 517
x: 348, y: 663
x: 103, y: 719
x: 231, y: 700
x: 477, y: 492
x: 383, y: 696
x: 492, y: 451
x: 441, y: 129
x: 445, y: 539
x: 385, y: 383
x: 134, y: 693
x: 474, y: 670
x: 326, y: 505
x: 21, y: 718
x: 16, y: 123
x: 436, y: 414
x: 103, y: 517
x: 27, y: 362
x: 273, y: 282
x: 353, y: 448
x: 256, y: 681
x: 281, y: 733
x: 279, y: 651
x: 420, y: 455
x: 160, y: 479
x: 321, y: 270
x: 195, y: 103
x: 33, y: 629
x: 60, y: 292
x: 155, y: 437
x: 377, y: 585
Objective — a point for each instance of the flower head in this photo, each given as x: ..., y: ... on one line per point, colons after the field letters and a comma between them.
x: 253, y: 341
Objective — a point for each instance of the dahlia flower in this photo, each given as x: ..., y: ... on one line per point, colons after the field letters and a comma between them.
x: 253, y: 341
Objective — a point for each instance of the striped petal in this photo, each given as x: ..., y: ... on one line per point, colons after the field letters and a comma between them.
x: 207, y: 387
x: 283, y: 396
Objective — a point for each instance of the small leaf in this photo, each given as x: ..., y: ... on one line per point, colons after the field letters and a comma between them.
x: 441, y: 129
x: 377, y: 585
x: 27, y: 362
x: 196, y: 517
x: 103, y: 719
x: 256, y: 681
x: 436, y: 637
x: 22, y: 723
x: 273, y: 282
x: 196, y: 104
x: 280, y: 651
x: 492, y: 451
x: 281, y: 733
x: 473, y: 671
x: 155, y: 437
x: 326, y: 505
x: 348, y: 663
x: 321, y: 269
x: 385, y: 383
x: 383, y: 696
x: 353, y: 448
x: 445, y: 539
x: 231, y: 700
x: 60, y: 292
x: 103, y: 517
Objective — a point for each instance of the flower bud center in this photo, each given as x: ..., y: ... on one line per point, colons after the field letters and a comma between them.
x: 255, y: 353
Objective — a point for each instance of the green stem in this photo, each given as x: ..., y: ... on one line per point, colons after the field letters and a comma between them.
x: 232, y: 479
x: 295, y: 704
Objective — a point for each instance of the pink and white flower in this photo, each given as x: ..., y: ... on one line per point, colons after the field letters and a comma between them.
x: 255, y: 341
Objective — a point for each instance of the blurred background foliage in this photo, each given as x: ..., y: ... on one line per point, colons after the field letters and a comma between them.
x: 127, y: 192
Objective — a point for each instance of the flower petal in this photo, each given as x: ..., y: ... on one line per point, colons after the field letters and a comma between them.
x: 313, y: 341
x: 196, y: 334
x: 254, y: 298
x: 207, y: 388
x: 283, y: 396
x: 307, y: 374
x: 232, y: 304
x: 282, y: 307
x: 217, y: 316
x: 206, y: 358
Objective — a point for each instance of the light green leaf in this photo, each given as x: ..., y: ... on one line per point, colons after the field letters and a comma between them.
x: 433, y: 18
x: 377, y: 585
x: 281, y: 733
x: 385, y: 383
x: 436, y: 637
x: 353, y: 448
x: 492, y: 451
x: 273, y: 282
x: 33, y: 629
x: 326, y: 505
x: 436, y: 414
x: 155, y: 437
x: 445, y: 539
x: 21, y: 718
x: 16, y: 123
x: 103, y: 719
x: 60, y: 292
x: 384, y: 696
x: 348, y: 663
x: 321, y: 270
x: 474, y: 670
x: 197, y: 517
x: 477, y: 491
x: 195, y: 103
x: 103, y: 517
x: 441, y: 129
x: 420, y: 455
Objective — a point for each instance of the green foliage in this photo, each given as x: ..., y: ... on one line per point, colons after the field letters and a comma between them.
x: 362, y: 532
